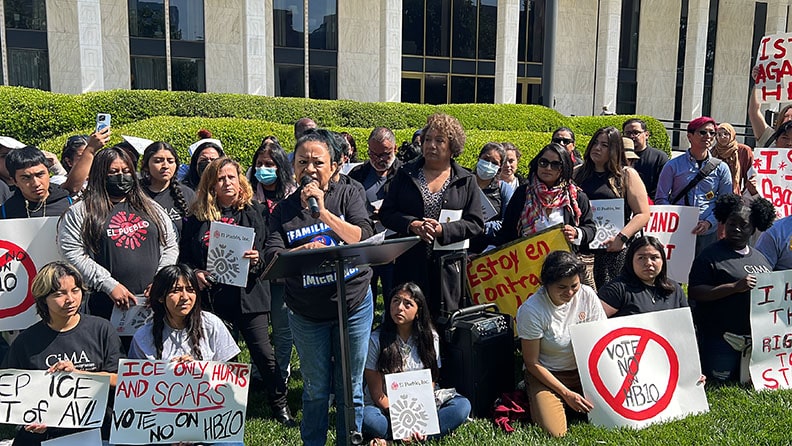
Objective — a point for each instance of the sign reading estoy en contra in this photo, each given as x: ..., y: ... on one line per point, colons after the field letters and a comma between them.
x: 60, y: 399
x: 640, y: 369
x: 509, y: 274
x: 171, y: 402
x: 771, y: 319
x: 25, y: 246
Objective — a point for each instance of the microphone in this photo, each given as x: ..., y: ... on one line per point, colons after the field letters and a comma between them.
x: 312, y: 204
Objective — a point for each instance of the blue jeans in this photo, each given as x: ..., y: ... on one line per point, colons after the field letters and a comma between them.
x: 281, y: 332
x: 316, y: 343
x: 450, y: 415
x: 719, y: 361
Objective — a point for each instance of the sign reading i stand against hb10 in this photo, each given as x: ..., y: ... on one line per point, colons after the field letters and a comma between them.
x: 773, y: 68
x: 60, y: 399
x: 771, y: 319
x: 160, y: 402
x: 773, y: 168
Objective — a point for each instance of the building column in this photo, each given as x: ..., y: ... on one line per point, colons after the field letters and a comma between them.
x: 507, y: 39
x: 607, y: 66
x: 695, y: 58
x: 63, y: 41
x: 390, y: 56
x: 90, y: 32
x: 658, y: 45
x: 225, y: 38
x: 115, y: 44
x: 258, y: 48
x: 777, y: 17
x: 359, y: 39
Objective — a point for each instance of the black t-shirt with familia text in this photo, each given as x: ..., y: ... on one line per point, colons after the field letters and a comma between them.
x: 165, y: 199
x: 130, y: 247
x: 716, y: 265
x: 633, y: 297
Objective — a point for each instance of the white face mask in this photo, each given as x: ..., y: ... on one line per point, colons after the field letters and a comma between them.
x: 486, y: 170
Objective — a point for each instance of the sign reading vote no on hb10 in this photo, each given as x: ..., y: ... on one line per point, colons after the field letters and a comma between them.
x: 641, y: 369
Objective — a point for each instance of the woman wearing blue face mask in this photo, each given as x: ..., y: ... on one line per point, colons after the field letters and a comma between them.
x: 497, y: 193
x: 272, y: 180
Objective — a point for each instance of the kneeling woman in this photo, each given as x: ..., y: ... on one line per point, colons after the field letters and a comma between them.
x: 543, y: 323
x: 406, y: 341
x: 63, y: 333
x: 178, y: 330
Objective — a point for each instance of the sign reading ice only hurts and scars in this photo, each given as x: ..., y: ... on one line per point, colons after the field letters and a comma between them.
x: 773, y: 168
x: 25, y: 246
x: 172, y: 402
x: 771, y: 319
x: 640, y: 369
x: 509, y: 275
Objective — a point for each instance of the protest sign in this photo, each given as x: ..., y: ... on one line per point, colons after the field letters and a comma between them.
x: 673, y: 226
x: 91, y: 437
x: 169, y: 402
x: 126, y: 322
x: 412, y: 403
x: 226, y: 246
x: 640, y: 369
x: 771, y: 319
x: 773, y: 168
x: 25, y: 246
x: 608, y: 217
x: 57, y: 399
x: 773, y: 68
x: 447, y: 216
x: 509, y: 274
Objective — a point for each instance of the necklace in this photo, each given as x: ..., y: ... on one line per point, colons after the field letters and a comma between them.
x: 42, y: 205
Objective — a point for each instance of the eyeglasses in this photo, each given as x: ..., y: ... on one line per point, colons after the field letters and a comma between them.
x: 544, y: 163
x: 634, y: 133
x: 706, y: 132
x: 563, y: 141
x: 383, y: 155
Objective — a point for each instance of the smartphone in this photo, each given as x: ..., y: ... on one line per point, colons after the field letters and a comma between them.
x: 102, y: 121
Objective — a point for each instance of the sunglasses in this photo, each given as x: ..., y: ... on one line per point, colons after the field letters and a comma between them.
x: 706, y: 132
x: 544, y: 163
x: 633, y: 133
x: 563, y: 141
x: 383, y: 155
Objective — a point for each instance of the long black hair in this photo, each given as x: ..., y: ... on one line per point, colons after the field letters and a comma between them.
x: 173, y: 184
x: 390, y: 356
x: 661, y: 282
x: 566, y: 162
x: 161, y: 286
x: 284, y: 170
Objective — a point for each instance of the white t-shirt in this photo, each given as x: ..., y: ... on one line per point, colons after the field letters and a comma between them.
x: 539, y: 318
x: 216, y: 343
x: 411, y: 360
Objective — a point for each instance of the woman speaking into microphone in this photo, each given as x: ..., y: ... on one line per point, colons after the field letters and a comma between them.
x: 338, y: 216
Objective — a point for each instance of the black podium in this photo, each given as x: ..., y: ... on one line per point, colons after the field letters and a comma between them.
x: 336, y: 259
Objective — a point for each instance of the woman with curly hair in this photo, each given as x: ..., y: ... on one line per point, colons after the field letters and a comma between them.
x: 158, y: 172
x: 420, y: 191
x: 405, y: 341
x: 178, y: 329
x: 721, y: 280
x: 603, y: 176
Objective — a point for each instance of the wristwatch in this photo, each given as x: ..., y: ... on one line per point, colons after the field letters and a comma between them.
x: 623, y: 238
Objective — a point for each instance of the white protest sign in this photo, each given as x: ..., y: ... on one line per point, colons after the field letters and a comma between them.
x: 773, y: 68
x: 57, y: 399
x: 92, y: 437
x: 26, y: 244
x: 169, y: 402
x: 227, y: 244
x: 126, y: 322
x: 412, y: 404
x: 673, y: 226
x: 609, y: 218
x: 447, y: 216
x: 347, y: 167
x: 640, y: 369
x: 771, y: 319
x: 487, y: 209
x: 773, y: 168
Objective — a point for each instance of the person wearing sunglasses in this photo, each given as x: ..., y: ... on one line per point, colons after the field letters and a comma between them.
x: 681, y: 184
x: 549, y: 198
x: 565, y: 137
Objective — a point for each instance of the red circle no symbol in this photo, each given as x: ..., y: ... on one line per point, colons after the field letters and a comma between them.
x: 616, y: 401
x: 27, y: 263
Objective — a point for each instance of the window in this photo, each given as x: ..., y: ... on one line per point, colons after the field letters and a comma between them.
x: 448, y: 51
x: 291, y: 49
x: 709, y: 61
x: 627, y: 88
x: 530, y: 51
x: 26, y: 43
x: 150, y: 35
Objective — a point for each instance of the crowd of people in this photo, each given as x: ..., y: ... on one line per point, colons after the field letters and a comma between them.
x: 133, y: 229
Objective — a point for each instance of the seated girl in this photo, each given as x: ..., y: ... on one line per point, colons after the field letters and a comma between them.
x: 406, y: 341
